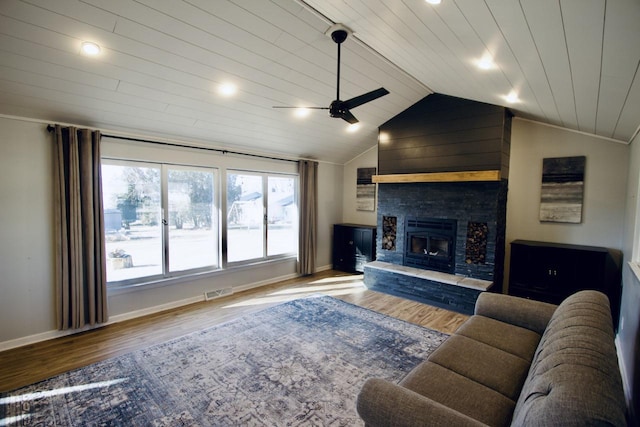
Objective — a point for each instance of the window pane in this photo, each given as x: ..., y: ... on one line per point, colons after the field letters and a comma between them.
x: 245, y: 217
x: 192, y: 222
x: 282, y: 215
x: 133, y: 230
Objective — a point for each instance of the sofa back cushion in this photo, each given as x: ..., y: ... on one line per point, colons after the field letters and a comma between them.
x: 574, y: 378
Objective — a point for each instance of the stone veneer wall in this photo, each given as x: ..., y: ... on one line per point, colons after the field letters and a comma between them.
x: 483, y: 202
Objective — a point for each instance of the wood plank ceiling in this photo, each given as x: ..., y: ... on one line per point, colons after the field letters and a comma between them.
x: 572, y: 63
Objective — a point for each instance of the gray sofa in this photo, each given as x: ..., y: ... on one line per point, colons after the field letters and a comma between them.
x: 514, y: 362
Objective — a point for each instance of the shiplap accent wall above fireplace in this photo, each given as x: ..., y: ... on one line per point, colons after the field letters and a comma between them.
x: 453, y: 139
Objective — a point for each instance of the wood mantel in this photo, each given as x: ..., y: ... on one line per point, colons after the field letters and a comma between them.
x: 467, y: 176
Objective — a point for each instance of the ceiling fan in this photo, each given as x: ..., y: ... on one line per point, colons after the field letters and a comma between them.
x: 338, y: 108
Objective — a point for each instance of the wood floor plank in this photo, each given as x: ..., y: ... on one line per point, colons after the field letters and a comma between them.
x: 36, y: 362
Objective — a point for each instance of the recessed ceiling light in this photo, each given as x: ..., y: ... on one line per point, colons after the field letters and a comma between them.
x: 90, y: 48
x: 227, y: 89
x: 353, y: 127
x: 512, y: 97
x: 486, y: 62
x: 301, y: 112
x: 433, y: 1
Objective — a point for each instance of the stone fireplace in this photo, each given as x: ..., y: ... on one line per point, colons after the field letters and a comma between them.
x: 471, y: 214
x: 449, y: 242
x: 443, y: 166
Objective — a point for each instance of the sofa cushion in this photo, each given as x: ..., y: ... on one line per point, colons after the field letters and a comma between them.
x: 518, y: 341
x: 574, y: 378
x: 523, y: 312
x: 482, y: 363
x: 460, y: 393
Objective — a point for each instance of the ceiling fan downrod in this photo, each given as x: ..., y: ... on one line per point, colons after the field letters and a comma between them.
x: 338, y: 36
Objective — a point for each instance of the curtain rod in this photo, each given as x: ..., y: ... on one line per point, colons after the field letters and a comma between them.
x: 51, y: 128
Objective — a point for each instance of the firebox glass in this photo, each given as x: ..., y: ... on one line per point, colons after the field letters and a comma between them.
x: 439, y: 247
x: 419, y: 245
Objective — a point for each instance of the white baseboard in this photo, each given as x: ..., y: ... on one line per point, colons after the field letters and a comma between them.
x: 627, y: 387
x: 152, y: 310
x: 254, y: 285
x: 324, y: 268
x: 49, y: 335
x: 43, y: 336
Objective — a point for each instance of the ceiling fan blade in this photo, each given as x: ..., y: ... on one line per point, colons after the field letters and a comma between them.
x: 363, y: 99
x: 347, y: 116
x: 340, y: 109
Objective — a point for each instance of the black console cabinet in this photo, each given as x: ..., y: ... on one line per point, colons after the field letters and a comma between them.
x: 551, y: 272
x: 354, y: 245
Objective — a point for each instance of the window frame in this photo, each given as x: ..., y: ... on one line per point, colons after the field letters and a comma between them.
x: 265, y: 205
x: 148, y: 153
x: 166, y: 273
x: 167, y: 227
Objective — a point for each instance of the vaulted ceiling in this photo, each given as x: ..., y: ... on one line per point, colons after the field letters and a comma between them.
x: 571, y: 63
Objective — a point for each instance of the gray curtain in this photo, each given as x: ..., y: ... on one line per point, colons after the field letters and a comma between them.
x: 308, y: 171
x: 80, y: 275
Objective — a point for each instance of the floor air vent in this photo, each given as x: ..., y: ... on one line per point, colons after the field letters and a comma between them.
x: 209, y: 295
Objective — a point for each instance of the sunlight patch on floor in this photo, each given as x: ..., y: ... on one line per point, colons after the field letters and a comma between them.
x: 320, y: 288
x: 58, y: 391
x: 292, y: 294
x: 349, y: 278
x: 11, y: 420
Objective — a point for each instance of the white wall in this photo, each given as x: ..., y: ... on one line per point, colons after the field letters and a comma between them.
x: 26, y: 230
x: 27, y: 299
x: 604, y: 187
x: 368, y: 159
x: 330, y: 208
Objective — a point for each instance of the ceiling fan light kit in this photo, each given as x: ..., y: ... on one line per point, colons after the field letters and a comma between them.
x: 338, y: 108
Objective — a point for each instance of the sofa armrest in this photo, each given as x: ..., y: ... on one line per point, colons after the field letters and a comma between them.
x: 526, y: 313
x: 381, y: 403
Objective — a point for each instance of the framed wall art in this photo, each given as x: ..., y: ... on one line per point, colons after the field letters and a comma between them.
x: 562, y: 189
x: 365, y: 190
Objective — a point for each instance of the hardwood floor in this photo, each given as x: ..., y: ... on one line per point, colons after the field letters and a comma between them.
x: 32, y: 363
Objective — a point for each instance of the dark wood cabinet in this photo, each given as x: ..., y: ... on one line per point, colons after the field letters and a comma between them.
x: 354, y: 245
x: 551, y: 272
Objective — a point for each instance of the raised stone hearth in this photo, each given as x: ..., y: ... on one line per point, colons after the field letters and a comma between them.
x: 444, y: 290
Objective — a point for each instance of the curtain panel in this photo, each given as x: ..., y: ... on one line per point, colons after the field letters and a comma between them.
x: 308, y: 171
x: 80, y: 264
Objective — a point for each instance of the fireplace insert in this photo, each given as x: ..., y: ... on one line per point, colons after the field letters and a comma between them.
x: 431, y: 244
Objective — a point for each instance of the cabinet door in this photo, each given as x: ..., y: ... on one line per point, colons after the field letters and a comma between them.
x: 590, y: 272
x: 552, y: 269
x: 541, y: 273
x: 520, y: 267
x: 362, y: 239
x: 364, y: 247
x: 344, y: 249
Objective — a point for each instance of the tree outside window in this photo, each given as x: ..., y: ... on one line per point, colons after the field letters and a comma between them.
x: 141, y: 242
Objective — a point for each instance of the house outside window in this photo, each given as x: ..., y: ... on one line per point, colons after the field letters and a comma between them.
x: 262, y: 216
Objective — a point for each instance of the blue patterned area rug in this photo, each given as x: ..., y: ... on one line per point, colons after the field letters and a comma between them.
x: 298, y: 363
